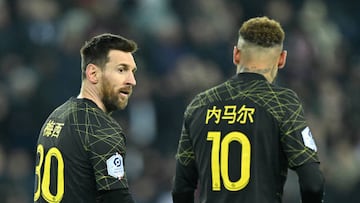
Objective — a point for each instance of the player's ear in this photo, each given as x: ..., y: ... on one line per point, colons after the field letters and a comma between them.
x: 282, y: 59
x: 236, y: 55
x: 92, y: 73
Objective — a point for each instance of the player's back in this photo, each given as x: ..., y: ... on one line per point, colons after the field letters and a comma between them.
x: 63, y: 170
x: 235, y: 129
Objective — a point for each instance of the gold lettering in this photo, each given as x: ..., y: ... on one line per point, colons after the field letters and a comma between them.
x: 52, y: 129
x: 214, y: 112
x: 48, y: 130
x: 245, y: 114
x: 57, y: 130
x: 230, y: 114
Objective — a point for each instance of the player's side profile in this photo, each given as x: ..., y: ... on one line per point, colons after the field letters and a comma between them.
x: 81, y: 149
x: 240, y: 138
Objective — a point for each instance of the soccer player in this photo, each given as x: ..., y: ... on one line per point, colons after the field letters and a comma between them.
x: 81, y: 148
x: 240, y: 137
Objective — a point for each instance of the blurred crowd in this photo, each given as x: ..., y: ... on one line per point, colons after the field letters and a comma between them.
x: 184, y: 47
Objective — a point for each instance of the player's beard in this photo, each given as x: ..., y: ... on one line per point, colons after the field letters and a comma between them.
x: 112, y: 99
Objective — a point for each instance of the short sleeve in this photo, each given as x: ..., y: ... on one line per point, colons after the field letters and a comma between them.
x: 297, y: 140
x: 105, y: 145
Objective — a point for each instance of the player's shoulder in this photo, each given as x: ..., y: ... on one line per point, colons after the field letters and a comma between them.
x: 282, y: 102
x: 285, y: 92
x: 204, y: 99
x: 75, y: 106
x: 207, y: 96
x: 81, y: 111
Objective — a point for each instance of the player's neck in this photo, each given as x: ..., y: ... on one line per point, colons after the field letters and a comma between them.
x: 92, y: 93
x: 264, y: 70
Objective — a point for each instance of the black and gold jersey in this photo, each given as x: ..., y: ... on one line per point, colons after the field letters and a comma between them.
x: 80, y: 151
x: 239, y: 139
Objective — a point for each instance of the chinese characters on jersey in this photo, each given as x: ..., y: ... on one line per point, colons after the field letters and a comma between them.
x: 230, y: 113
x: 52, y: 129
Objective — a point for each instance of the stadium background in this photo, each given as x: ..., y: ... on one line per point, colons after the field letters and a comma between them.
x: 185, y: 47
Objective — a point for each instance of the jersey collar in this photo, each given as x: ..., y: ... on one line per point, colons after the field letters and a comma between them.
x: 247, y: 76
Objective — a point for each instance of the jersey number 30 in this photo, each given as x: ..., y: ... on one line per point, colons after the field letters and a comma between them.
x: 220, y: 165
x: 43, y: 182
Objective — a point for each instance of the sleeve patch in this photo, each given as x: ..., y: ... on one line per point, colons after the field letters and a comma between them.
x: 115, y: 166
x: 308, y: 139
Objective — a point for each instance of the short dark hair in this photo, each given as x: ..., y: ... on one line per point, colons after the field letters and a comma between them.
x: 262, y: 31
x: 97, y: 49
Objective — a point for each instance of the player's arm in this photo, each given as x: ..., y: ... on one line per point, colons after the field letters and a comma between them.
x: 185, y: 183
x: 311, y: 183
x: 112, y: 196
x: 301, y: 150
x: 186, y: 176
x: 106, y: 149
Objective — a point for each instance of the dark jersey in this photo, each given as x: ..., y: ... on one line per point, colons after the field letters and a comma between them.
x: 80, y: 152
x: 239, y: 139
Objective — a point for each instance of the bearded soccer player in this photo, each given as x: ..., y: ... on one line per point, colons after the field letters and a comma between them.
x: 240, y: 137
x: 81, y: 148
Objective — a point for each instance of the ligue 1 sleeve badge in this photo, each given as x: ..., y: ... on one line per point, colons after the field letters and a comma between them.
x: 308, y: 139
x: 115, y: 166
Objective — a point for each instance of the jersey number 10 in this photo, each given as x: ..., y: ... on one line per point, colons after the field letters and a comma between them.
x: 43, y: 185
x: 220, y: 165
